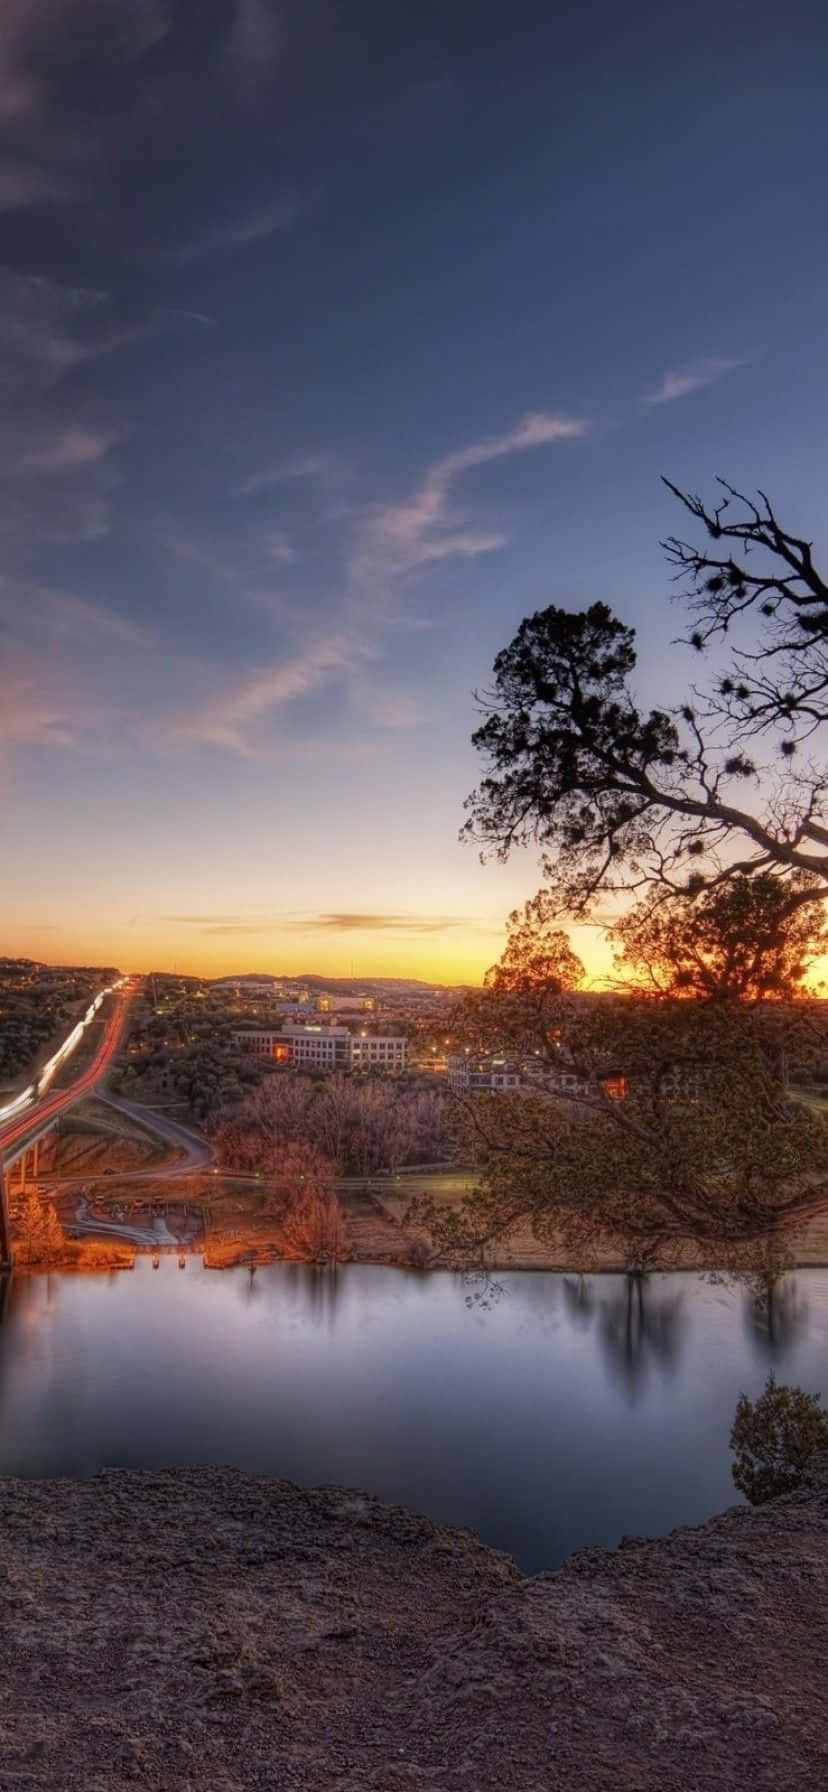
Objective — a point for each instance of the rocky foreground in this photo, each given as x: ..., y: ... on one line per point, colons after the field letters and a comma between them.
x: 206, y: 1631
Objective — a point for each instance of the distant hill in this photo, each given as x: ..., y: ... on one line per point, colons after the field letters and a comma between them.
x: 344, y: 986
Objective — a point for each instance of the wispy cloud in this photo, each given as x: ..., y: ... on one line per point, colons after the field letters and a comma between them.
x: 78, y: 619
x: 252, y: 227
x: 380, y: 707
x: 38, y: 708
x: 48, y: 329
x: 278, y: 548
x: 428, y: 526
x: 346, y: 921
x: 49, y: 153
x: 230, y: 717
x: 74, y: 448
x: 301, y: 466
x: 23, y: 185
x: 256, y: 36
x: 681, y: 382
x: 57, y: 649
x: 350, y: 922
x: 217, y: 923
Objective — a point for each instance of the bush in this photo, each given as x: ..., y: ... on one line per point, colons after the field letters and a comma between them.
x: 774, y: 1439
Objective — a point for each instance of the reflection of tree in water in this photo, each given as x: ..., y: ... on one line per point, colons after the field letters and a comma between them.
x: 639, y: 1327
x: 774, y: 1314
x: 579, y: 1301
x: 251, y: 1289
x: 320, y: 1287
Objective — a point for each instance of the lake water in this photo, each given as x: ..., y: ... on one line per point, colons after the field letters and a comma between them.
x: 566, y: 1412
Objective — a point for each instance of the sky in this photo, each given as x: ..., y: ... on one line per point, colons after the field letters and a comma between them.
x: 334, y: 339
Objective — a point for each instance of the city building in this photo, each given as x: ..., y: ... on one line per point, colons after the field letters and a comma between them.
x: 336, y: 1004
x: 324, y: 1047
x: 470, y: 1075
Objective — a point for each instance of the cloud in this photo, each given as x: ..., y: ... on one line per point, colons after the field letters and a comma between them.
x: 256, y: 36
x: 38, y: 707
x: 229, y: 717
x: 22, y: 185
x: 48, y: 151
x: 216, y: 923
x: 303, y: 466
x: 75, y: 448
x: 393, y: 709
x: 680, y: 382
x: 251, y: 227
x: 349, y: 922
x: 36, y: 35
x: 278, y: 548
x: 78, y: 619
x: 427, y: 527
x: 48, y: 329
x: 61, y: 655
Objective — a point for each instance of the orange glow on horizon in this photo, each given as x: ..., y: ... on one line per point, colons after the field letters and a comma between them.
x: 453, y: 957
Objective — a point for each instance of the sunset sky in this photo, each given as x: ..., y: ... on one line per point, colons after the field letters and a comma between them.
x: 337, y: 335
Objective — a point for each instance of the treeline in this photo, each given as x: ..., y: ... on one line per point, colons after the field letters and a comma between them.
x: 359, y: 1128
x: 35, y: 1006
x: 185, y: 1048
x: 205, y: 1077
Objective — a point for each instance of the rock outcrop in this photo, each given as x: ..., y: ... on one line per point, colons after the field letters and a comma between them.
x: 202, y: 1630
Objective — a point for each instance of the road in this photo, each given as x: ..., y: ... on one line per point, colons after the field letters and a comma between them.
x: 198, y: 1153
x: 30, y: 1123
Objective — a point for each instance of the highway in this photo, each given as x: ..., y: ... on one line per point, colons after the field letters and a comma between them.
x: 30, y: 1123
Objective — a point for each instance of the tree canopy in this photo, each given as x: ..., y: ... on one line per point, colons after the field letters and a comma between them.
x: 523, y: 995
x: 652, y: 1122
x: 748, y: 939
x: 622, y: 798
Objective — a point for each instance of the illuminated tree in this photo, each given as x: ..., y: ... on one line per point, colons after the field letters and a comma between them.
x: 774, y: 1439
x: 361, y: 1127
x: 40, y: 1234
x: 311, y: 1217
x: 619, y: 798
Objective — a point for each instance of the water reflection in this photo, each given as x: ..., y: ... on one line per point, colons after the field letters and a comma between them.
x: 640, y: 1324
x: 530, y: 1420
x: 775, y: 1314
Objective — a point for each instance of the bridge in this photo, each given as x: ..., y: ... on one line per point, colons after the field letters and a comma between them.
x: 29, y: 1118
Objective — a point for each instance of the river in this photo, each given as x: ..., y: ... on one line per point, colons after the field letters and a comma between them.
x: 551, y: 1413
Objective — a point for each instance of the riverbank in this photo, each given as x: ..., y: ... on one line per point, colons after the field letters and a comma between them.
x: 226, y: 1221
x: 202, y: 1627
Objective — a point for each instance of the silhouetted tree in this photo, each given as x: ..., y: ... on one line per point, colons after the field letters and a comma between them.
x: 741, y: 940
x: 524, y: 995
x: 774, y: 1439
x: 621, y: 798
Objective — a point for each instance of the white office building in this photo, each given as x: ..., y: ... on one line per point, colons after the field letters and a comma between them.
x: 470, y: 1075
x: 324, y: 1047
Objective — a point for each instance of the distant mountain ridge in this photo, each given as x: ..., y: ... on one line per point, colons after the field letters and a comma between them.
x: 344, y: 986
